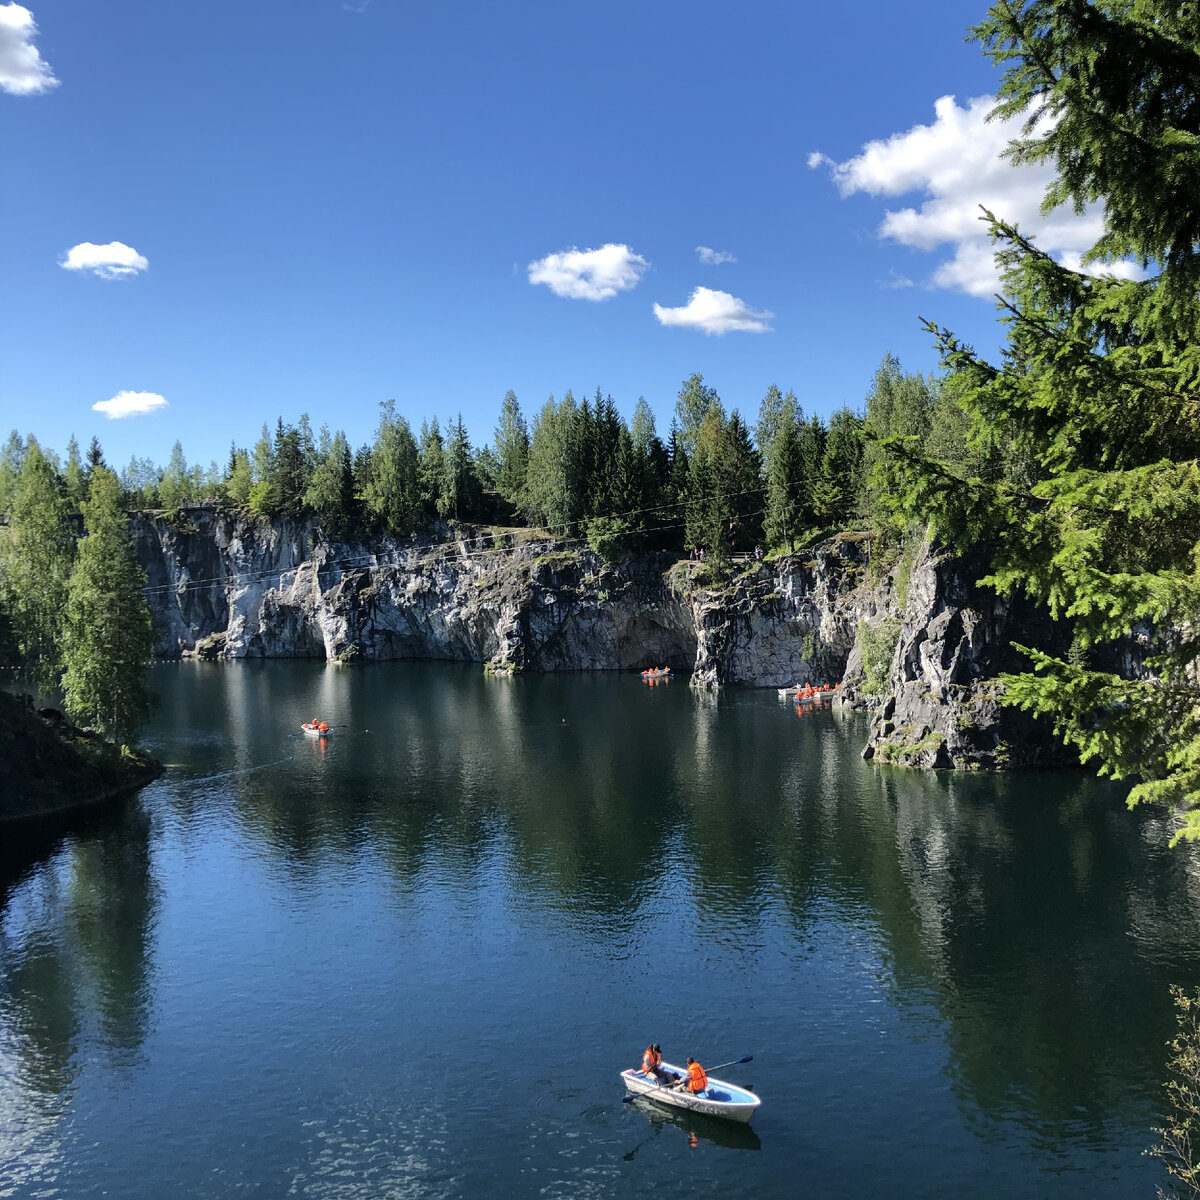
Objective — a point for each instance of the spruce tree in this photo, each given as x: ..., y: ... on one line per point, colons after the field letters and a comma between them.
x: 35, y: 563
x: 107, y: 636
x: 391, y: 492
x: 512, y: 452
x: 1096, y: 399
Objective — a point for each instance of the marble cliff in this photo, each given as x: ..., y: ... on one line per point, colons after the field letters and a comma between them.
x: 918, y: 644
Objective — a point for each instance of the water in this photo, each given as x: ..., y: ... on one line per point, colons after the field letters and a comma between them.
x: 411, y: 961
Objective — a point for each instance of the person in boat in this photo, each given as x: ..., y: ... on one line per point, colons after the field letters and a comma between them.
x: 651, y: 1060
x: 695, y: 1080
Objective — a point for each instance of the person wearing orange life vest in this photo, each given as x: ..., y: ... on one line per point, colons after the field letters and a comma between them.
x: 695, y: 1080
x: 651, y: 1058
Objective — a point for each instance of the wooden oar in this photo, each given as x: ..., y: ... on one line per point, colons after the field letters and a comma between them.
x: 664, y: 1086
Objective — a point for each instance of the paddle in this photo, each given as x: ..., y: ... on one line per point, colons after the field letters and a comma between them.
x: 663, y: 1086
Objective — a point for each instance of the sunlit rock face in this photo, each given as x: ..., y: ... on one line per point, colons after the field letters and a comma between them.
x: 922, y: 652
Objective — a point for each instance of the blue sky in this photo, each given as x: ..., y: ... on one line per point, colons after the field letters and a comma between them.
x: 264, y: 208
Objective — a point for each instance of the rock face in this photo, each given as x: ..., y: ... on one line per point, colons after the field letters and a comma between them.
x: 942, y: 706
x: 922, y: 651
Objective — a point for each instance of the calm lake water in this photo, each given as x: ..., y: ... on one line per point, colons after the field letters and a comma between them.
x: 411, y: 961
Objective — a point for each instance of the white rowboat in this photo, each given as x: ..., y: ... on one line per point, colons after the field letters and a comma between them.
x: 719, y: 1099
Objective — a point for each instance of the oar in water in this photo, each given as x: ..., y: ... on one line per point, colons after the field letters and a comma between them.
x: 663, y: 1086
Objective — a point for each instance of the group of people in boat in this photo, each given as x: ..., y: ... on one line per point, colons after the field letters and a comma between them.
x: 695, y: 1080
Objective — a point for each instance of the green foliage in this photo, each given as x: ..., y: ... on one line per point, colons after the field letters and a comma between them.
x: 391, y: 492
x: 1078, y: 463
x: 35, y: 563
x: 787, y: 500
x: 609, y: 537
x: 1177, y: 1148
x: 512, y: 452
x: 696, y: 401
x: 174, y: 486
x: 551, y: 487
x: 877, y: 646
x: 460, y: 491
x: 331, y: 492
x: 107, y: 636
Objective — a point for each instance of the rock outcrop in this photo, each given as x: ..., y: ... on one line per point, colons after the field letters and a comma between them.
x: 49, y: 766
x: 920, y: 644
x: 942, y: 704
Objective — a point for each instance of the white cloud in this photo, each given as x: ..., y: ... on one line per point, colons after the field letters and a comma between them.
x: 956, y: 163
x: 115, y: 260
x: 589, y: 274
x: 129, y: 404
x: 23, y: 71
x: 715, y: 313
x: 714, y: 258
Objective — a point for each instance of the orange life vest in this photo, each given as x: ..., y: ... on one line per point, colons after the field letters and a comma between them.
x: 650, y: 1060
x: 697, y: 1080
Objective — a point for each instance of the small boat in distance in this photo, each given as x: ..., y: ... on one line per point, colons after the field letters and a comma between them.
x: 318, y: 729
x: 719, y: 1099
x: 657, y: 673
x: 801, y: 692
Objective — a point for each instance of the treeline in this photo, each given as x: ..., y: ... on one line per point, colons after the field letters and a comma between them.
x: 577, y: 468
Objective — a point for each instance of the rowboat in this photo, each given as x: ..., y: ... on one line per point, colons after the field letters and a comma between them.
x: 719, y: 1099
x: 313, y: 729
x: 657, y: 673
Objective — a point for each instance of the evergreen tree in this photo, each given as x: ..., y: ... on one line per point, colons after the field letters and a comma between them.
x: 76, y: 481
x: 264, y: 496
x: 550, y: 487
x: 107, y: 635
x: 174, y: 488
x: 512, y: 452
x: 431, y: 470
x: 460, y: 485
x: 291, y: 467
x: 1097, y: 389
x: 392, y: 491
x: 679, y: 470
x: 740, y: 477
x: 35, y: 563
x: 841, y: 480
x: 786, y: 503
x: 139, y: 483
x: 239, y: 478
x: 11, y: 458
x: 331, y: 490
x: 708, y: 511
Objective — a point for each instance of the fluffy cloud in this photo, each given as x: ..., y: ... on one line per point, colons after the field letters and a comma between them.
x: 589, y: 274
x: 956, y: 163
x: 112, y: 261
x: 714, y: 258
x: 715, y: 313
x: 23, y: 71
x: 129, y: 404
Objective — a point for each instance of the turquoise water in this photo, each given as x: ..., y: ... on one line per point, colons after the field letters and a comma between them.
x: 411, y: 960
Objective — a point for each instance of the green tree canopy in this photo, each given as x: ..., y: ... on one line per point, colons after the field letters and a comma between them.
x: 107, y: 636
x: 35, y: 563
x: 1094, y: 410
